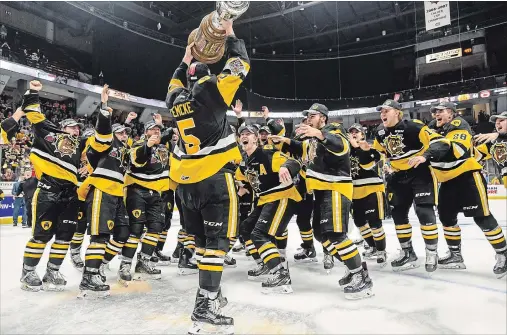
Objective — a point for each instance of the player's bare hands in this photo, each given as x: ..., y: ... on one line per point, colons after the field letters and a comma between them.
x: 238, y: 108
x: 265, y: 112
x: 131, y: 116
x: 227, y: 25
x: 187, y: 59
x: 416, y: 161
x: 365, y: 146
x: 158, y: 119
x: 242, y: 191
x: 35, y: 85
x: 485, y: 138
x: 284, y: 175
x: 353, y: 141
x: 104, y: 95
x: 306, y: 131
x: 154, y: 139
x: 276, y: 138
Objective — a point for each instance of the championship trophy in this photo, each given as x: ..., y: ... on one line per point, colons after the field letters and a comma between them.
x: 209, y: 38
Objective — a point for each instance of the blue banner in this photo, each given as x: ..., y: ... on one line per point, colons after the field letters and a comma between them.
x: 7, y: 209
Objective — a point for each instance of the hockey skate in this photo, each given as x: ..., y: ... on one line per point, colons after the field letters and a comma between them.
x: 223, y: 300
x: 102, y: 272
x: 500, y: 269
x: 431, y: 260
x: 76, y: 260
x: 278, y: 282
x: 207, y: 317
x: 452, y: 260
x: 176, y: 253
x: 229, y: 262
x: 92, y: 286
x: 238, y: 247
x: 306, y: 255
x: 407, y: 260
x: 53, y: 280
x: 144, y: 270
x: 360, y: 286
x: 382, y: 258
x: 185, y: 264
x: 30, y: 281
x: 163, y: 259
x: 124, y: 275
x: 370, y: 253
x: 259, y: 273
x: 347, y: 278
x: 328, y: 262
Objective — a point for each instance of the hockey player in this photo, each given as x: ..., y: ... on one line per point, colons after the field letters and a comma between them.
x: 103, y: 191
x: 56, y: 156
x: 203, y: 166
x: 270, y: 173
x: 368, y: 196
x: 408, y: 145
x: 325, y: 151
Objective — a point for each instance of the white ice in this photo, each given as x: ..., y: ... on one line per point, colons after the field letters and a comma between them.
x: 470, y: 301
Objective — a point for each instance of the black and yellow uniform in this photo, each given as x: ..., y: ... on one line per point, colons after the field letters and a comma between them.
x: 463, y: 188
x: 407, y: 139
x: 202, y: 162
x: 147, y: 176
x: 8, y: 130
x: 56, y: 157
x: 368, y: 197
x: 328, y: 177
x: 276, y: 204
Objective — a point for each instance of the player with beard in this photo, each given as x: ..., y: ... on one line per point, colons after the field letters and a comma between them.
x: 270, y: 173
x: 325, y: 151
x: 368, y: 196
x: 55, y: 155
x: 408, y: 145
x: 203, y: 166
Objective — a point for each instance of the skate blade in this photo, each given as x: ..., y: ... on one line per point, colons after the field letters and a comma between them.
x: 364, y: 294
x: 454, y: 266
x: 164, y: 263
x: 186, y: 272
x: 52, y: 287
x: 370, y: 258
x: 282, y: 289
x: 145, y: 277
x: 382, y: 264
x: 175, y: 260
x: 199, y: 328
x: 89, y: 294
x: 306, y: 260
x: 405, y: 267
x: 232, y: 266
x: 29, y: 288
x: 124, y: 283
x: 78, y: 267
x: 260, y: 278
x: 500, y: 275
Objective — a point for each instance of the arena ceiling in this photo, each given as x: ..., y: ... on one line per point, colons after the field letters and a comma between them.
x: 296, y: 28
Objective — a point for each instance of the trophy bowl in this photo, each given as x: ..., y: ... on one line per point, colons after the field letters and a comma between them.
x: 209, y: 37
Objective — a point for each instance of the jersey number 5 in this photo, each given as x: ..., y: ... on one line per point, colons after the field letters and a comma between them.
x: 192, y: 143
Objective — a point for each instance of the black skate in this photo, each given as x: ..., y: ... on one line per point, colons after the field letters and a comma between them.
x: 207, y: 317
x: 185, y: 264
x: 176, y: 254
x: 30, y: 281
x: 370, y: 253
x: 382, y: 258
x: 452, y: 260
x: 306, y: 255
x: 406, y: 261
x: 259, y: 273
x: 162, y: 258
x: 347, y: 278
x: 124, y: 275
x: 92, y: 286
x: 229, y: 262
x: 278, y: 282
x: 328, y: 262
x: 102, y: 272
x: 431, y: 260
x: 53, y: 280
x: 360, y: 287
x: 223, y: 300
x: 500, y: 269
x: 76, y: 260
x: 144, y: 270
x: 239, y: 247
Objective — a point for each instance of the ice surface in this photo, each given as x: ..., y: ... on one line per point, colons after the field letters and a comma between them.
x: 470, y: 301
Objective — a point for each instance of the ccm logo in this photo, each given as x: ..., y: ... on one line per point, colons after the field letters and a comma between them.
x: 324, y: 221
x: 469, y: 208
x: 369, y: 211
x: 69, y: 221
x: 213, y: 224
x: 422, y: 195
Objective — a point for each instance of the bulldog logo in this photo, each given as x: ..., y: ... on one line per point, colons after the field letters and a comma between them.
x: 499, y: 152
x: 66, y: 145
x: 394, y: 144
x: 161, y: 155
x: 253, y: 179
x: 110, y: 224
x: 46, y: 225
x: 354, y: 166
x: 311, y: 152
x: 136, y: 213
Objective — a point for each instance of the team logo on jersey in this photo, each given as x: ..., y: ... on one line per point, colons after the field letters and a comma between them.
x: 79, y: 215
x: 499, y: 152
x: 354, y: 166
x: 120, y: 154
x: 394, y: 144
x: 65, y: 144
x: 46, y: 225
x: 110, y: 224
x: 311, y: 152
x: 160, y: 155
x: 390, y: 196
x: 253, y: 179
x: 136, y: 213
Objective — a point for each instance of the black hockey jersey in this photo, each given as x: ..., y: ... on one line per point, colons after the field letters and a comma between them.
x: 497, y: 150
x: 460, y: 157
x: 363, y: 169
x: 261, y: 169
x: 207, y: 142
x: 9, y: 129
x: 409, y: 138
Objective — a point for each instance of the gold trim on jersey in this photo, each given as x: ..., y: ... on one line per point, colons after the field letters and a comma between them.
x: 34, y: 208
x: 232, y: 225
x: 336, y: 210
x: 95, y: 220
x: 277, y: 219
x: 482, y: 193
